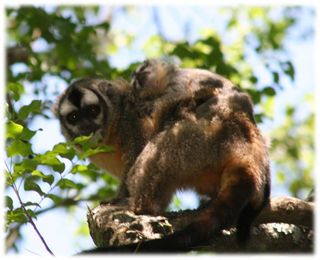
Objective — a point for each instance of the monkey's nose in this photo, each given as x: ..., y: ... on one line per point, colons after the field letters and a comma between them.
x: 87, y: 129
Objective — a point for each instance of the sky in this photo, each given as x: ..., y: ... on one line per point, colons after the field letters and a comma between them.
x: 302, y: 53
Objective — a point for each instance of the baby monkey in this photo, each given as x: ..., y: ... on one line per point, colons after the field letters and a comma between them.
x: 171, y: 129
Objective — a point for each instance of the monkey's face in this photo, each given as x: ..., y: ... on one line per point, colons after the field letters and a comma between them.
x: 84, y: 109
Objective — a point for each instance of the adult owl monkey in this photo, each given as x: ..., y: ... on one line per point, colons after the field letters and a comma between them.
x: 174, y: 128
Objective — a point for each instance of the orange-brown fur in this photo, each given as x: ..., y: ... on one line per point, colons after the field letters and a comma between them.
x: 187, y: 128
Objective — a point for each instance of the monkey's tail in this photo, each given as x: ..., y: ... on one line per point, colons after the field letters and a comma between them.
x: 248, y: 215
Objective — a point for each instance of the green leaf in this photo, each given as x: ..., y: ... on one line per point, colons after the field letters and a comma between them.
x: 87, y: 171
x: 64, y: 150
x: 269, y: 91
x: 46, y: 178
x: 79, y: 168
x: 288, y: 69
x: 50, y: 159
x: 56, y: 199
x: 31, y: 213
x: 18, y: 147
x: 255, y: 95
x: 17, y: 131
x: 175, y: 204
x: 29, y: 203
x: 253, y: 79
x: 9, y: 202
x: 17, y: 216
x: 182, y: 50
x: 276, y: 77
x: 14, y: 130
x: 33, y: 107
x: 100, y: 149
x: 258, y: 117
x: 30, y: 185
x: 104, y: 25
x: 27, y: 134
x: 89, y: 146
x: 67, y: 184
x: 16, y: 89
x: 82, y: 140
x: 290, y: 111
x: 295, y: 186
x: 27, y: 165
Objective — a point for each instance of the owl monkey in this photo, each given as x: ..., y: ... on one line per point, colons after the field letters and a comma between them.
x: 171, y: 129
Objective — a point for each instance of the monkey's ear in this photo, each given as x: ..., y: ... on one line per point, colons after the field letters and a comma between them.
x: 139, y: 76
x: 241, y: 101
x: 114, y: 90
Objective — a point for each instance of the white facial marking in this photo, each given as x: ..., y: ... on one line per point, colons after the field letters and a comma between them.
x: 66, y: 107
x: 89, y: 98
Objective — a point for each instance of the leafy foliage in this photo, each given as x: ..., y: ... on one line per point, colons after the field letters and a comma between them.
x: 64, y: 43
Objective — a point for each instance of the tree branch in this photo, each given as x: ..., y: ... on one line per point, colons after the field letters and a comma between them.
x: 271, y: 238
x: 28, y: 215
x: 289, y: 228
x: 288, y: 210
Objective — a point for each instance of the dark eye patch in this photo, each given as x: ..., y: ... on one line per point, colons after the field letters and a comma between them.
x: 75, y: 97
x: 73, y: 117
x: 92, y: 110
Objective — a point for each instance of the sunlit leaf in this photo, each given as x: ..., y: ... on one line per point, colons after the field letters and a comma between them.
x: 16, y: 89
x: 50, y: 159
x: 14, y: 130
x: 64, y: 150
x: 18, y: 147
x: 33, y: 107
x: 27, y: 165
x: 46, y: 178
x: 90, y: 152
x: 16, y: 215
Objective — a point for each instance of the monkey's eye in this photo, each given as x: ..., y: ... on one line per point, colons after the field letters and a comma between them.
x: 73, y: 117
x: 92, y: 110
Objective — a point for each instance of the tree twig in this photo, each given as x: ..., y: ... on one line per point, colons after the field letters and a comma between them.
x: 28, y: 215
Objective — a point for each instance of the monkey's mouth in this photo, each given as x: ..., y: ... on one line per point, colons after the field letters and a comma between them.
x: 95, y: 135
x: 88, y: 129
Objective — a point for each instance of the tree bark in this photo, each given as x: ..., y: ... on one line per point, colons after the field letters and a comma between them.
x: 288, y: 210
x: 285, y: 225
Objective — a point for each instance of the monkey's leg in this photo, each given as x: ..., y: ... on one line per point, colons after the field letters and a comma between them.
x: 164, y: 166
x: 237, y: 191
x: 238, y: 188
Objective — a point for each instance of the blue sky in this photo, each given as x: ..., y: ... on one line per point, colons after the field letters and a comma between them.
x: 173, y: 20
